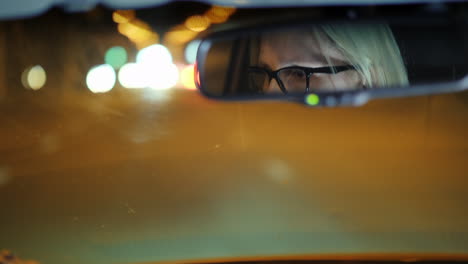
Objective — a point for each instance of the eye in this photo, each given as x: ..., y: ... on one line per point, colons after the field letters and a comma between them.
x: 295, y: 74
x: 298, y: 74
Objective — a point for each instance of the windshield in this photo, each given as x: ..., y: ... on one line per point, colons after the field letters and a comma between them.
x: 94, y: 168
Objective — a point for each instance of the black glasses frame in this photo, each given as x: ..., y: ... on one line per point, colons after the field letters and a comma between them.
x: 308, y: 72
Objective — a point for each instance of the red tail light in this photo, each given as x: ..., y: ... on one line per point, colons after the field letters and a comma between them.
x: 197, y: 76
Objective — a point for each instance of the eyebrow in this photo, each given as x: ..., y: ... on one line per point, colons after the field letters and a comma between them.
x: 334, y: 54
x: 264, y: 65
x: 335, y: 58
x: 320, y: 59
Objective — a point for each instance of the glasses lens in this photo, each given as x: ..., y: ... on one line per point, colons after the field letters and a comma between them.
x: 258, y: 80
x: 294, y: 80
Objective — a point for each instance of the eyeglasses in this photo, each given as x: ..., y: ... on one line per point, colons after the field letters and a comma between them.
x: 293, y: 79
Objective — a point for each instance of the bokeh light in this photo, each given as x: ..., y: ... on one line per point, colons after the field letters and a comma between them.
x: 34, y: 77
x: 138, y: 32
x: 116, y: 57
x: 197, y: 75
x: 132, y: 76
x: 154, y: 55
x: 197, y: 23
x: 219, y: 14
x: 191, y: 51
x: 179, y: 35
x: 153, y: 69
x: 163, y: 76
x: 187, y: 77
x: 216, y: 19
x: 101, y: 78
x: 223, y: 10
x: 135, y: 30
x: 123, y: 16
x: 150, y: 40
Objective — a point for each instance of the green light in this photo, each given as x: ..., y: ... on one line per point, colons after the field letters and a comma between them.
x: 116, y: 57
x: 312, y: 99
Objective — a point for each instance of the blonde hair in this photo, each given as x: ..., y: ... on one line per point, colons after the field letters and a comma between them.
x: 372, y: 50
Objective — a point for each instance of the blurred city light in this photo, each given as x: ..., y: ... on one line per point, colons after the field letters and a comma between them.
x: 197, y: 23
x: 150, y: 40
x: 153, y: 69
x: 135, y: 30
x: 222, y: 10
x: 219, y: 14
x: 216, y: 19
x: 163, y: 76
x: 34, y: 77
x: 101, y: 78
x: 116, y: 57
x: 158, y: 77
x: 187, y: 77
x: 154, y: 55
x: 197, y: 74
x: 191, y: 51
x: 179, y: 35
x: 132, y: 76
x: 138, y: 32
x: 123, y: 16
x: 126, y: 29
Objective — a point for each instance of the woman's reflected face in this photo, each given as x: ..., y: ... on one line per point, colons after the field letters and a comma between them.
x: 302, y: 48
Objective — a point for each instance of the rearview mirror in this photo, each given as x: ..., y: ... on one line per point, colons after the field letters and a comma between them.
x: 335, y: 63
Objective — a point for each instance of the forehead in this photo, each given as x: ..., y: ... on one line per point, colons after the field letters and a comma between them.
x: 306, y: 47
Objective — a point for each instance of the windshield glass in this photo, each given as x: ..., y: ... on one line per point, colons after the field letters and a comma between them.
x: 108, y: 154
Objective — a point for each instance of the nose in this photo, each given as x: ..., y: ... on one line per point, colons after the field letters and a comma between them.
x: 273, y: 87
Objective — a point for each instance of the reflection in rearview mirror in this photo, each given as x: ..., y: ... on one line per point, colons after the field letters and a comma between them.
x: 331, y: 58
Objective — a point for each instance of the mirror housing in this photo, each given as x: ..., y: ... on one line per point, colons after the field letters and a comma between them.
x: 249, y: 63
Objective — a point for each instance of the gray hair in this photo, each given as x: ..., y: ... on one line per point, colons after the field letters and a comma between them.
x: 372, y: 50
